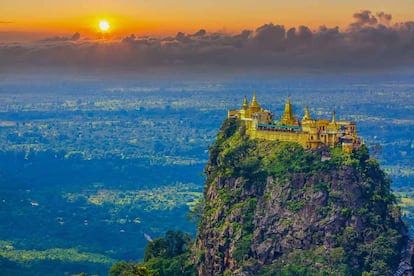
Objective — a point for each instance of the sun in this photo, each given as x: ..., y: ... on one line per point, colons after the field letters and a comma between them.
x: 104, y: 25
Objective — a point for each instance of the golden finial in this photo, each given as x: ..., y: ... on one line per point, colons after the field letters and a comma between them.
x: 288, y: 119
x: 254, y: 100
x: 307, y: 114
x: 245, y: 103
x: 288, y: 109
x: 254, y: 105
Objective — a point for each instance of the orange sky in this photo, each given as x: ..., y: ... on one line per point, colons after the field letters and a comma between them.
x: 161, y: 17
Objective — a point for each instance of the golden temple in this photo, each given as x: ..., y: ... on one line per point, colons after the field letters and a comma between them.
x: 308, y: 132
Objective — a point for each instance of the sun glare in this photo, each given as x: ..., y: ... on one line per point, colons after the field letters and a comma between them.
x: 104, y: 25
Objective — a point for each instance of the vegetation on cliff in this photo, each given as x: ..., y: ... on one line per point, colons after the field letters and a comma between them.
x: 274, y: 208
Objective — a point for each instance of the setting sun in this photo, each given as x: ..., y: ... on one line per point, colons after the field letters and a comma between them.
x: 104, y: 25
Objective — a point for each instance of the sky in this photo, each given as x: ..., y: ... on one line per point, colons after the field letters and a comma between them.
x: 232, y: 33
x: 170, y: 16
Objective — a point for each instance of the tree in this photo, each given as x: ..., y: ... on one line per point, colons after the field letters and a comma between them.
x: 176, y: 243
x: 129, y: 269
x: 173, y: 244
x: 155, y: 248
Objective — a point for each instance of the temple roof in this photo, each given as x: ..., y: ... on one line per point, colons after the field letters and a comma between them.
x: 288, y: 118
x: 307, y: 114
x: 254, y: 101
x: 245, y: 103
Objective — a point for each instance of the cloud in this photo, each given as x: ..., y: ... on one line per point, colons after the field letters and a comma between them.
x: 367, y: 18
x: 129, y: 39
x: 384, y: 18
x: 74, y: 37
x: 364, y: 18
x: 201, y: 32
x: 371, y: 42
x: 6, y: 22
x: 270, y: 37
x: 298, y: 37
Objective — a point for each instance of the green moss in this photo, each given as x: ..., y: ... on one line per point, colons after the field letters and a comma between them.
x: 294, y: 206
x: 242, y: 248
x: 210, y: 211
x: 321, y: 187
x: 286, y: 222
x: 309, y: 262
x: 346, y: 212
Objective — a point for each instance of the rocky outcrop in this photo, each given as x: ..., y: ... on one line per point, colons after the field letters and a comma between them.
x: 273, y: 207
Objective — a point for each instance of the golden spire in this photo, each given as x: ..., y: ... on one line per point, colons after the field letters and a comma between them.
x: 254, y: 100
x: 288, y: 119
x: 307, y: 114
x: 254, y: 106
x: 288, y: 110
x: 333, y: 116
x: 245, y: 103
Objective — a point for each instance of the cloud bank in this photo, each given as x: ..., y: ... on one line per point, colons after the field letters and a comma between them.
x: 372, y: 41
x: 74, y: 37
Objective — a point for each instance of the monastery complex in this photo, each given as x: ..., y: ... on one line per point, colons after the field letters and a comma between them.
x: 308, y: 132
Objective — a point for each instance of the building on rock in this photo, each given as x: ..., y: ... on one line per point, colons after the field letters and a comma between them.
x: 308, y: 132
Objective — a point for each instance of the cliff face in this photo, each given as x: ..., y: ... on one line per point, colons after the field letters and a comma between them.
x: 272, y: 207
